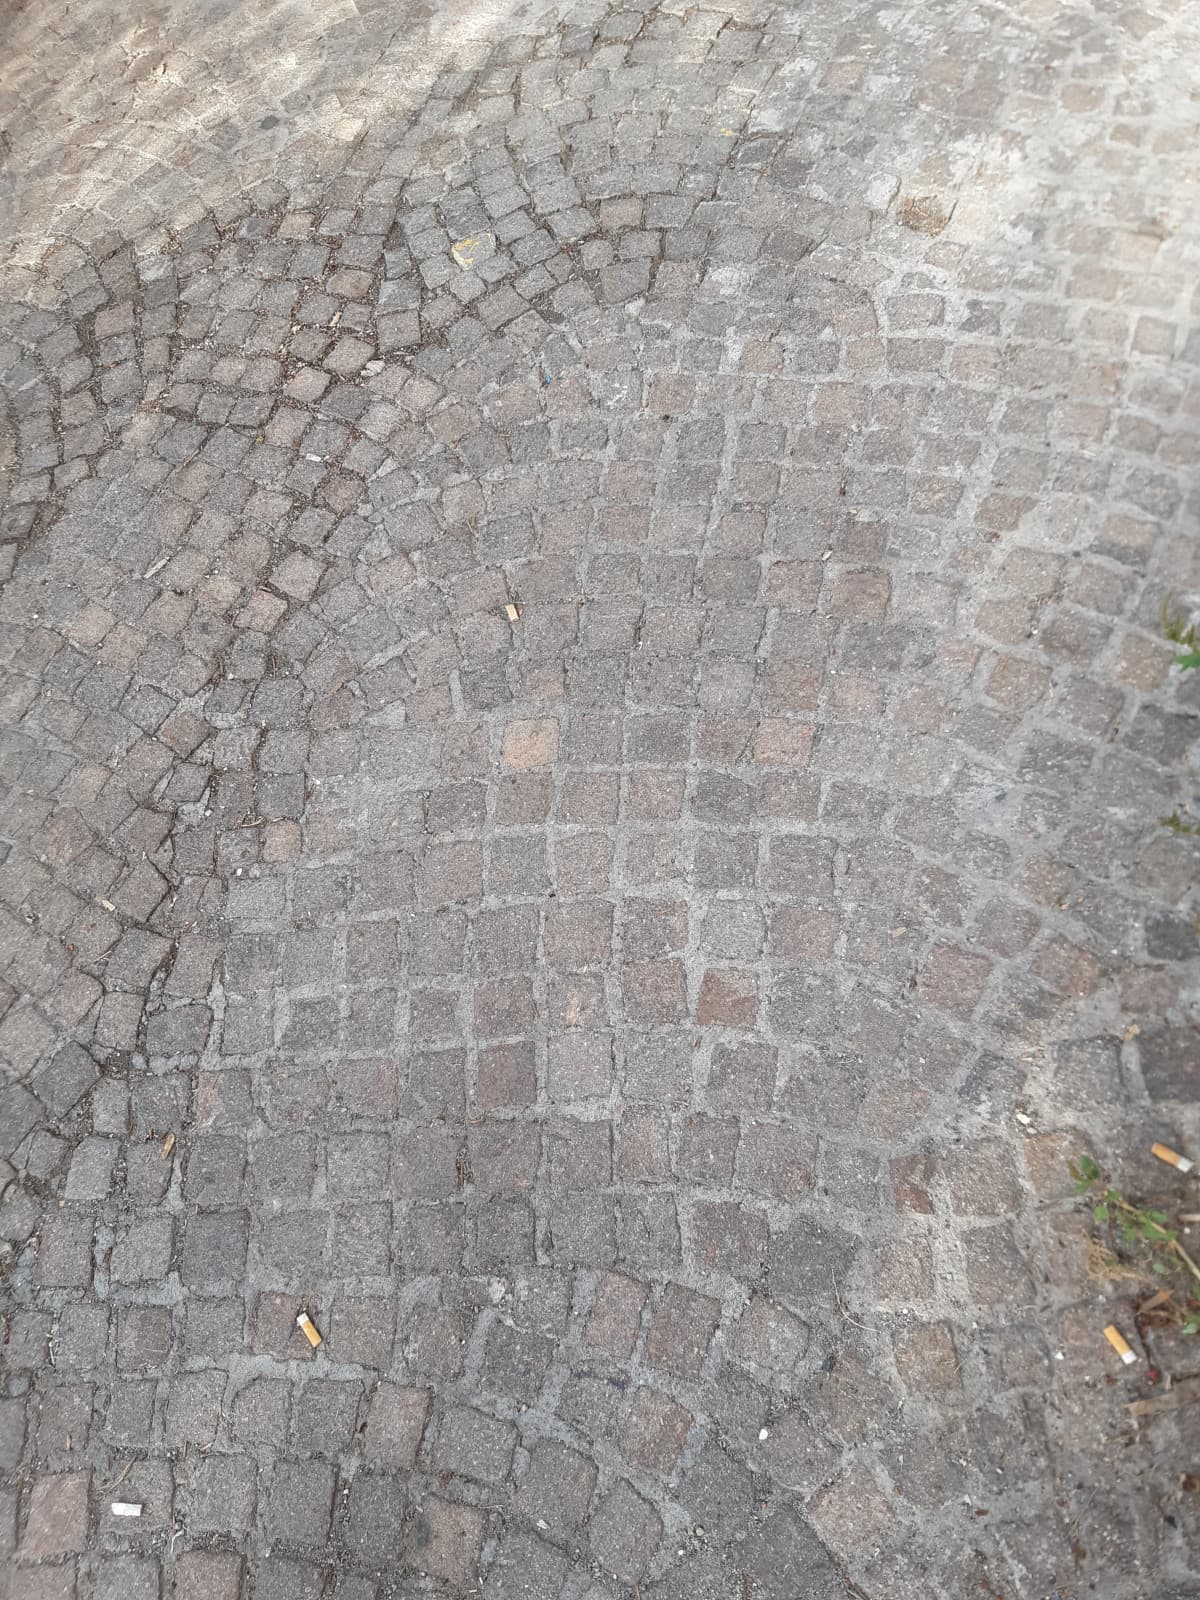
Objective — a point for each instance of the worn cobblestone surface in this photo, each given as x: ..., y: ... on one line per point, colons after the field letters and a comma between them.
x: 609, y: 1022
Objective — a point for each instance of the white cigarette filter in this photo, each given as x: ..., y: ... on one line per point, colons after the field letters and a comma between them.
x: 308, y: 1328
x: 1171, y: 1157
x: 1116, y: 1339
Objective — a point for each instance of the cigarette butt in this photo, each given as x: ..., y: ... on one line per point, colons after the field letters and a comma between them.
x: 512, y: 612
x: 1114, y: 1337
x: 108, y: 905
x: 168, y: 1145
x: 1171, y: 1157
x: 125, y: 1508
x: 305, y: 1323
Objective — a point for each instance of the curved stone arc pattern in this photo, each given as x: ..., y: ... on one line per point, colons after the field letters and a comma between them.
x: 584, y: 725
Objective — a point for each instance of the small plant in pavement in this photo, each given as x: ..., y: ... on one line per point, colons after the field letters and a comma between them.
x: 1141, y: 1234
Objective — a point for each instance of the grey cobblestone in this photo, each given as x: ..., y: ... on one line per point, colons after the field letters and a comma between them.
x: 583, y: 721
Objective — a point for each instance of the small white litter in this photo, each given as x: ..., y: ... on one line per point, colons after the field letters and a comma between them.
x: 125, y: 1508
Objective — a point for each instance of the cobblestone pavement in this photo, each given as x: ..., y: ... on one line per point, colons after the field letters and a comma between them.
x: 584, y: 725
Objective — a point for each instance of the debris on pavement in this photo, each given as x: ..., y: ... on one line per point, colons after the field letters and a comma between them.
x: 1155, y: 1302
x: 126, y: 1508
x: 467, y: 251
x: 1116, y: 1339
x: 1171, y: 1157
x: 308, y: 1328
x: 1184, y: 1393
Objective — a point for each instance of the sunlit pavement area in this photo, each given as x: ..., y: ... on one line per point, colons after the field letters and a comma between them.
x: 584, y: 725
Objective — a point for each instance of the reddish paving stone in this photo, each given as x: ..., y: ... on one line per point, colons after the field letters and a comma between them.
x: 57, y: 1520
